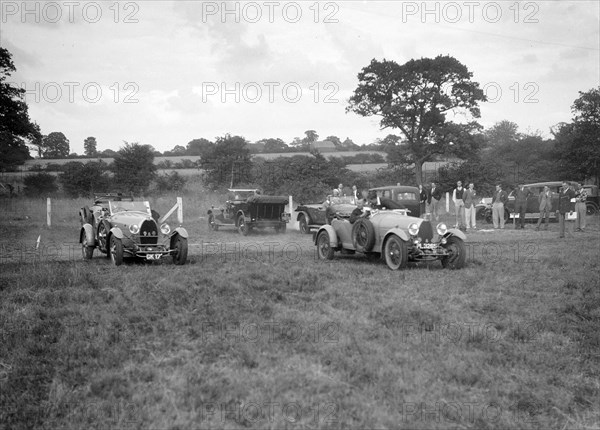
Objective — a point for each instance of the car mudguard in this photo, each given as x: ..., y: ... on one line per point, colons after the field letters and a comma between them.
x: 246, y: 217
x: 333, y: 238
x: 88, y: 230
x: 455, y: 232
x: 116, y: 231
x: 181, y: 232
x: 306, y: 215
x: 398, y: 232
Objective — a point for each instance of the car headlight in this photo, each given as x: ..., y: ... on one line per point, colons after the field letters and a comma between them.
x: 165, y: 229
x: 413, y: 229
x: 441, y: 229
x: 134, y: 228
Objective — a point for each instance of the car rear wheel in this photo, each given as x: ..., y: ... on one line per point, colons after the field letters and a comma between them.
x: 457, y: 253
x: 591, y: 208
x: 396, y: 253
x: 180, y: 245
x: 211, y: 223
x: 243, y: 228
x: 86, y: 250
x: 116, y: 250
x: 324, y: 249
x: 303, y: 225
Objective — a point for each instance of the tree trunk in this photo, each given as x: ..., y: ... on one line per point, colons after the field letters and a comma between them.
x: 419, y: 172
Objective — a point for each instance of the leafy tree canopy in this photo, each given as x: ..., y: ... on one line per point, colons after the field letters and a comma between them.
x: 415, y: 98
x: 55, y: 145
x: 16, y: 129
x: 134, y: 167
x: 90, y: 146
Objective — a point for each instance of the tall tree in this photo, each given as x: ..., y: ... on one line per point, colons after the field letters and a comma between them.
x: 415, y: 98
x: 16, y: 129
x: 90, y: 147
x: 134, y: 167
x: 578, y: 143
x: 273, y: 145
x: 227, y: 162
x: 198, y: 146
x: 55, y: 145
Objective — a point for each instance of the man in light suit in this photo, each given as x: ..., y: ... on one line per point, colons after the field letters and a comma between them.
x: 498, y: 201
x: 545, y: 200
x: 564, y: 205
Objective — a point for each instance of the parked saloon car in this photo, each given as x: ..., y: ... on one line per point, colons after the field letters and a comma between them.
x: 247, y: 209
x: 394, y: 236
x: 405, y: 197
x: 312, y: 216
x: 123, y: 227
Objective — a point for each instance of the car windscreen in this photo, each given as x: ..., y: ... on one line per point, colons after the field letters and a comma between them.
x: 118, y: 206
x: 406, y: 196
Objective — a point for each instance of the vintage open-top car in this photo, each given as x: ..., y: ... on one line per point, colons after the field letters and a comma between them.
x: 248, y: 209
x: 394, y: 236
x: 313, y: 215
x: 124, y: 227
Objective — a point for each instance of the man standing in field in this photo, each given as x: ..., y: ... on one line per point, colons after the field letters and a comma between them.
x: 433, y: 199
x: 521, y: 195
x: 498, y: 201
x: 580, y: 209
x: 564, y: 205
x: 545, y: 200
x: 469, y: 199
x: 459, y: 204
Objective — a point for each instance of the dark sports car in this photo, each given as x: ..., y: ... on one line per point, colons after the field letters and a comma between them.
x: 123, y: 227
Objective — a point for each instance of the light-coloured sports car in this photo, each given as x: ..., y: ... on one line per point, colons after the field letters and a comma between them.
x: 395, y: 237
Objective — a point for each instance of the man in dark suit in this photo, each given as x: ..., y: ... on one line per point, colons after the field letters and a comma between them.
x: 521, y: 194
x: 433, y: 199
x: 422, y: 200
x: 565, y: 204
x: 358, y: 212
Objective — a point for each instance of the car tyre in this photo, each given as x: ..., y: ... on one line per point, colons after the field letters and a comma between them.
x: 116, y: 250
x: 591, y: 208
x: 243, y: 228
x: 363, y: 235
x: 86, y: 250
x: 396, y: 252
x: 458, y: 253
x: 180, y: 245
x: 303, y: 225
x: 103, y: 231
x: 324, y: 249
x: 212, y: 225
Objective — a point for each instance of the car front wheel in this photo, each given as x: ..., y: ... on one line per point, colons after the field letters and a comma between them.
x: 396, y: 253
x: 243, y: 228
x: 324, y: 249
x: 180, y: 245
x: 86, y: 250
x: 303, y: 225
x: 116, y: 250
x: 456, y: 253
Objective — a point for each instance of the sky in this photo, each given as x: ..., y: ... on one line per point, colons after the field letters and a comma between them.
x: 163, y: 73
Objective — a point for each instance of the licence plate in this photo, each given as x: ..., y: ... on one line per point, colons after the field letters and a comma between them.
x: 429, y: 245
x: 153, y: 256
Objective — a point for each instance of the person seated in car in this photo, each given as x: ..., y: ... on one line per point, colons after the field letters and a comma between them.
x: 359, y: 211
x: 377, y: 202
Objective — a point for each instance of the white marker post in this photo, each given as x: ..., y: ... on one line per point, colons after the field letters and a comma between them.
x: 180, y: 210
x: 48, y: 212
x: 447, y: 202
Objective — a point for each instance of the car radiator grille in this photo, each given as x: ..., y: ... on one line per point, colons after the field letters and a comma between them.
x: 148, y: 233
x: 426, y: 231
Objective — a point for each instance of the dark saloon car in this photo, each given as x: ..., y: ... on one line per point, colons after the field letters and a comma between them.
x: 404, y: 197
x: 314, y: 215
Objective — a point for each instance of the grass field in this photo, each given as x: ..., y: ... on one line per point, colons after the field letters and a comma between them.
x: 255, y: 332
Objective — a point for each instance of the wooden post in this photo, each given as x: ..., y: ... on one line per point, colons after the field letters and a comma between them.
x: 291, y: 203
x: 48, y: 212
x: 447, y: 202
x: 179, y: 210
